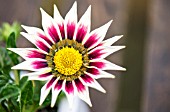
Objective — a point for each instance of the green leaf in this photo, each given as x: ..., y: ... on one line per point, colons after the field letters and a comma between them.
x: 11, y: 42
x: 3, y: 80
x: 9, y: 91
x: 26, y: 96
x: 5, y: 60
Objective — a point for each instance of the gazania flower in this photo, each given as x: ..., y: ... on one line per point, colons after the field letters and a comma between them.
x: 69, y: 57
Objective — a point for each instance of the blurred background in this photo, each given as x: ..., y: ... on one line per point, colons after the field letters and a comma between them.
x: 145, y: 24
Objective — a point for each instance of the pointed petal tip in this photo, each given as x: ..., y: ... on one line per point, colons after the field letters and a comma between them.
x: 23, y: 33
x: 103, y: 91
x: 14, y: 67
x: 52, y: 105
x: 90, y: 104
x: 23, y: 26
x: 122, y: 47
x: 11, y: 49
x: 119, y: 36
x: 123, y: 69
x: 113, y: 76
x: 89, y: 8
x: 42, y: 11
x: 55, y: 6
x: 40, y: 103
x: 110, y: 22
x: 75, y: 3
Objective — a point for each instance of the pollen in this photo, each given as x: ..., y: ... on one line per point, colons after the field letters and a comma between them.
x: 68, y: 61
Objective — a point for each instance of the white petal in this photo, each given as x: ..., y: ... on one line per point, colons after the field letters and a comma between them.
x: 38, y: 75
x: 45, y: 91
x: 32, y: 30
x: 111, y: 41
x: 55, y: 92
x: 70, y: 20
x: 101, y: 74
x: 104, y: 51
x: 29, y: 65
x: 96, y: 36
x: 37, y: 41
x: 57, y: 16
x: 35, y: 77
x: 93, y: 84
x: 26, y: 52
x: 83, y: 26
x: 108, y: 65
x: 70, y: 96
x: 84, y: 94
x: 48, y: 23
x: 38, y: 32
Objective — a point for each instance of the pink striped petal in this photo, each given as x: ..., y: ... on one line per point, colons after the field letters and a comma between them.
x: 42, y: 74
x: 38, y: 42
x: 82, y: 91
x: 68, y: 88
x: 46, y: 89
x: 89, y: 81
x: 83, y: 27
x: 59, y: 21
x: 32, y: 64
x: 70, y: 22
x: 56, y: 90
x: 106, y: 65
x: 41, y: 77
x: 102, y: 52
x: 38, y: 32
x: 28, y: 53
x: 96, y: 36
x: 57, y: 16
x: 111, y: 41
x: 97, y: 73
x: 50, y: 27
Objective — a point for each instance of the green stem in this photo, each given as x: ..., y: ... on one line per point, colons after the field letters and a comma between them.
x: 23, y: 108
x: 16, y: 75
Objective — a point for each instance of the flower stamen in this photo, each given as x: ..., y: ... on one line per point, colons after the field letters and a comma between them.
x: 68, y: 61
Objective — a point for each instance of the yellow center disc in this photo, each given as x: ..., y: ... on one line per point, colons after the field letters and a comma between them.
x: 68, y: 61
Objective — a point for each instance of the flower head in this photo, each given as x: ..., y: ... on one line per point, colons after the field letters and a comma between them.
x: 68, y: 56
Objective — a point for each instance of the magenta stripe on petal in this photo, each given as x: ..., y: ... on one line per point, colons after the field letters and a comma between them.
x: 69, y: 87
x: 93, y: 71
x: 91, y: 40
x: 81, y: 32
x: 87, y: 78
x: 79, y: 85
x: 70, y: 30
x: 53, y: 33
x: 45, y: 75
x: 96, y: 54
x: 61, y: 27
x: 39, y: 64
x: 58, y: 85
x: 97, y: 64
x: 35, y: 54
x: 42, y: 46
x: 50, y: 82
x: 45, y: 38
